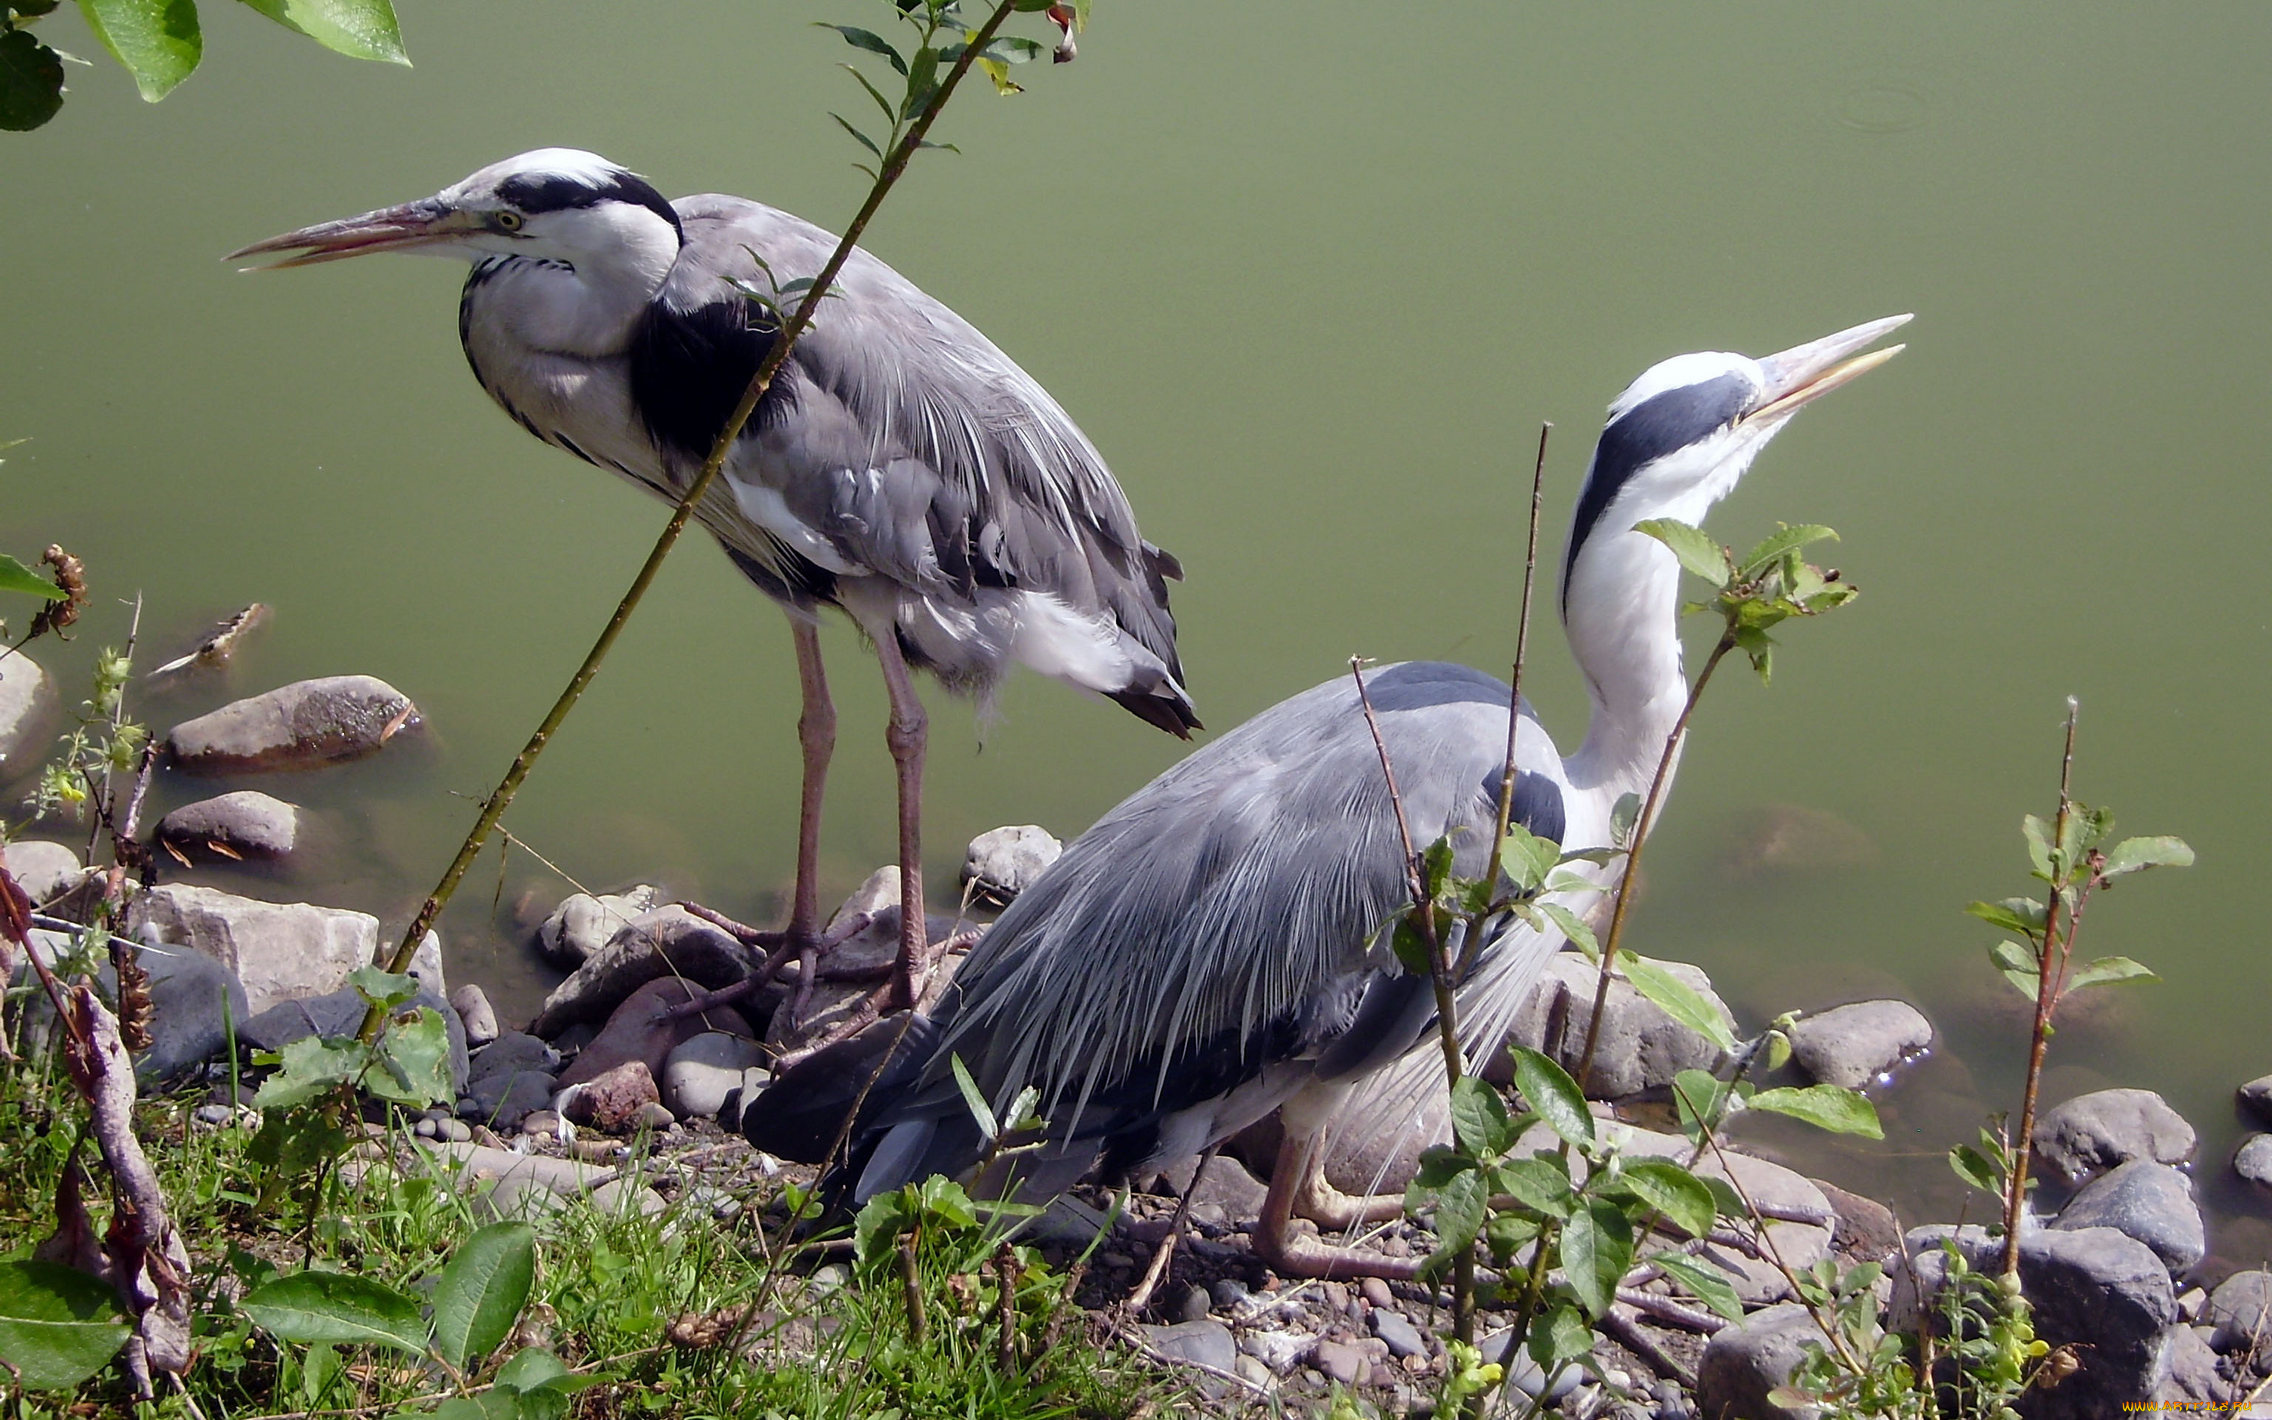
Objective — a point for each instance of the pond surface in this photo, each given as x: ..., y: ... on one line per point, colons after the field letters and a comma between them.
x: 1311, y: 277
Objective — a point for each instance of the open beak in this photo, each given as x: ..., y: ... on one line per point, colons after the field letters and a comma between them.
x: 1806, y: 372
x: 413, y: 224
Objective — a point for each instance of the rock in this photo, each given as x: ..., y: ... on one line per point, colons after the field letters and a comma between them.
x: 2089, y: 1134
x: 194, y: 1000
x: 45, y: 871
x: 2255, y: 1096
x: 280, y: 951
x: 2253, y: 1160
x: 1641, y: 1047
x: 242, y: 825
x: 654, y: 1117
x: 582, y: 924
x: 611, y: 1101
x: 1523, y: 1373
x: 2193, y: 1380
x: 625, y: 1196
x: 514, y: 1051
x: 701, y: 1071
x: 2240, y: 1310
x: 873, y: 947
x: 1866, y: 1228
x: 1744, y: 1363
x: 2147, y: 1201
x: 1851, y: 1046
x: 509, y: 1185
x: 1199, y: 1343
x: 1226, y: 1193
x: 336, y: 1015
x: 297, y: 726
x: 1003, y: 862
x: 541, y: 1122
x: 1341, y: 1361
x: 473, y: 1008
x: 1794, y: 839
x: 1395, y: 1328
x: 1229, y: 1293
x: 1278, y: 1350
x: 30, y: 710
x: 669, y: 941
x: 643, y: 1029
x: 2093, y: 1288
x: 505, y: 1101
x: 1195, y: 1303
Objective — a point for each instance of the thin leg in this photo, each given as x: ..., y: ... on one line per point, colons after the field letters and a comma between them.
x: 906, y: 736
x: 816, y: 734
x: 1275, y: 1243
x: 1333, y: 1210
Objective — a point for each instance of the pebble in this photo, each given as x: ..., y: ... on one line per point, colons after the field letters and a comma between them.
x: 1376, y: 1291
x: 472, y: 1005
x: 1340, y: 1361
x: 1403, y: 1338
x: 215, y: 1114
x: 1281, y: 1351
x: 1228, y: 1292
x: 830, y: 1278
x: 654, y: 1117
x: 297, y: 726
x: 457, y: 1131
x: 1201, y: 1342
x: 543, y: 1121
x: 1852, y: 1045
x: 1195, y: 1304
x: 2253, y: 1160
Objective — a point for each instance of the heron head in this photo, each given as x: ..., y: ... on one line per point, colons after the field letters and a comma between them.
x: 1682, y: 435
x: 560, y: 205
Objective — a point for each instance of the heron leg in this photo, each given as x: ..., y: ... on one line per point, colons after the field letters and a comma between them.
x: 1291, y: 1256
x: 905, y: 736
x: 816, y: 736
x: 1330, y: 1208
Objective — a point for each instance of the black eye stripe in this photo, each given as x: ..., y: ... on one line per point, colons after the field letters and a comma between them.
x: 1659, y: 425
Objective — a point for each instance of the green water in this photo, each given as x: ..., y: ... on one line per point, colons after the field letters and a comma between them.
x: 1310, y: 276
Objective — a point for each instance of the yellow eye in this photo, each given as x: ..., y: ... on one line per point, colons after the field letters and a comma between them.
x: 509, y: 221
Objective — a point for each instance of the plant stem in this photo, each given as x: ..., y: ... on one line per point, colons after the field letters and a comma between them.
x: 1641, y: 824
x: 1515, y: 676
x: 2050, y: 969
x: 895, y: 163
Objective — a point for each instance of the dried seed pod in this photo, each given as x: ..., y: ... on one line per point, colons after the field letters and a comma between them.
x: 71, y: 576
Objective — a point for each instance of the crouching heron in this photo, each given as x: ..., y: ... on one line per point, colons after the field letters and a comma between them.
x: 901, y: 467
x: 1212, y: 948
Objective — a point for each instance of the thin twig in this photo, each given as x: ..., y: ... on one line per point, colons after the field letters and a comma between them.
x: 1515, y: 676
x: 2050, y: 975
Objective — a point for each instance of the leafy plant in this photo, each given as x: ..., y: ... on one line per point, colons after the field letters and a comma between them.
x: 160, y: 42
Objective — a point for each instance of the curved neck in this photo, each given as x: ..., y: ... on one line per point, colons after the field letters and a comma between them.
x: 584, y: 298
x: 1622, y: 610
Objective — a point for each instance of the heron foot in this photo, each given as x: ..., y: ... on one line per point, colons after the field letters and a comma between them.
x: 1292, y: 1252
x: 1334, y: 1211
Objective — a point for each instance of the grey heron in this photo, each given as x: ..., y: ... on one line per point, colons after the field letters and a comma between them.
x: 1213, y: 949
x: 901, y: 467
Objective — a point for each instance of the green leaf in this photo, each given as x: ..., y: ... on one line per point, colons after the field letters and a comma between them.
x: 1597, y: 1251
x: 2038, y: 836
x: 2023, y: 915
x: 306, y: 1307
x: 1841, y: 1111
x: 157, y: 40
x: 1412, y: 952
x: 14, y: 575
x: 1707, y: 1284
x: 1698, y: 1096
x: 58, y: 1326
x: 1696, y: 550
x: 1974, y: 1168
x: 1780, y: 543
x: 31, y: 91
x: 1435, y: 867
x: 482, y: 1290
x: 413, y: 1062
x: 1676, y: 998
x: 922, y: 81
x: 1571, y: 925
x: 382, y: 989
x: 1623, y: 814
x: 1538, y: 1184
x: 864, y: 140
x: 359, y: 29
x: 2133, y: 855
x: 1479, y: 1119
x: 2107, y: 969
x: 2017, y: 965
x: 878, y: 1225
x: 531, y: 1367
x: 1548, y: 1088
x: 989, y: 1128
x: 312, y: 1066
x: 1527, y: 858
x: 1560, y: 1337
x: 1673, y: 1191
x: 1459, y: 1213
x: 870, y: 41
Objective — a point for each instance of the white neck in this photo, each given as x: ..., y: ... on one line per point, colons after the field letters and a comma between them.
x: 581, y: 296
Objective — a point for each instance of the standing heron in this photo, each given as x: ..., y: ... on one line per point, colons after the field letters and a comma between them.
x: 1213, y: 948
x: 901, y: 467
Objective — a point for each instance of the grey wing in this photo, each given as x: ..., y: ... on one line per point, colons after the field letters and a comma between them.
x: 948, y: 468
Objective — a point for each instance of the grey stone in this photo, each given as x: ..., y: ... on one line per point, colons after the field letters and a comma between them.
x: 646, y: 1028
x: 1195, y: 1304
x: 874, y: 946
x: 1003, y: 862
x: 245, y: 824
x: 2255, y: 1096
x: 1228, y: 1292
x: 2241, y: 1311
x: 1278, y: 1349
x: 542, y: 1122
x: 1200, y: 1343
x: 505, y: 1101
x: 1744, y: 1363
x: 2192, y: 1378
x: 1226, y: 1194
x: 700, y: 1072
x: 1851, y: 1046
x: 1525, y: 1375
x: 1641, y: 1047
x: 213, y: 1114
x: 45, y: 871
x: 31, y: 709
x: 669, y: 941
x: 1341, y: 1362
x: 472, y: 1005
x: 2253, y: 1160
x: 336, y: 1015
x: 513, y: 1051
x: 653, y: 1116
x: 195, y: 1003
x: 2104, y: 1293
x: 457, y: 1131
x: 280, y: 951
x: 584, y: 923
x: 1395, y: 1328
x: 2147, y: 1201
x: 2089, y: 1134
x: 297, y: 726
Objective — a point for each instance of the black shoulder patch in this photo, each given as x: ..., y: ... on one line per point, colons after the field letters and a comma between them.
x: 689, y: 368
x: 1639, y: 437
x: 555, y: 192
x: 1538, y: 803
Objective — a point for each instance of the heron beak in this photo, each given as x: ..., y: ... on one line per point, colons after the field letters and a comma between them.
x: 414, y: 224
x: 1807, y: 372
